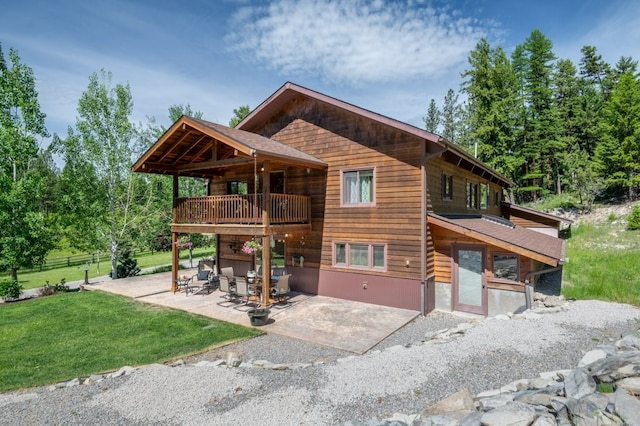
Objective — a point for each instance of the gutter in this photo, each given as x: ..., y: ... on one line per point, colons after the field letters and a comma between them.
x: 423, y: 220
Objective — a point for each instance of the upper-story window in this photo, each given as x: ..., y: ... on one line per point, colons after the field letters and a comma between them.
x: 447, y: 187
x: 472, y: 195
x: 497, y: 198
x: 484, y: 196
x: 358, y: 187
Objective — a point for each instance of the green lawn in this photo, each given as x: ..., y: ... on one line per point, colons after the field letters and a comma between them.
x: 604, y: 263
x: 75, y: 273
x: 56, y: 338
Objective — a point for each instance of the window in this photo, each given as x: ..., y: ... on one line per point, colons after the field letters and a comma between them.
x: 237, y: 187
x: 505, y: 266
x: 447, y: 187
x: 484, y: 196
x: 360, y: 255
x: 357, y: 187
x: 496, y: 198
x: 472, y: 195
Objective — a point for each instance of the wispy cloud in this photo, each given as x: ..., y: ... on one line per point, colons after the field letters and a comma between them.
x: 355, y: 41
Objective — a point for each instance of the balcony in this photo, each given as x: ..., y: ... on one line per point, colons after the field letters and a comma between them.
x: 284, y: 209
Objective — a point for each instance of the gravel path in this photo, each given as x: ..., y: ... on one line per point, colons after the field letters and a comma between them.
x: 399, y: 375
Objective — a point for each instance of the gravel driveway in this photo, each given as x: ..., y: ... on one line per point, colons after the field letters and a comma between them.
x: 401, y: 374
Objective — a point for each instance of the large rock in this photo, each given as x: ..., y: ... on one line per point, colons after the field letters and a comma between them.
x: 627, y: 407
x: 514, y: 414
x: 616, y: 367
x: 459, y: 401
x: 629, y: 341
x: 579, y: 383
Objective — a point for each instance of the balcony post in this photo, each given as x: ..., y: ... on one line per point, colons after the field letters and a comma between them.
x: 174, y: 238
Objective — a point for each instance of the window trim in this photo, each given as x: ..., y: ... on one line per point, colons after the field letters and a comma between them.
x: 505, y: 280
x: 447, y: 195
x: 370, y: 255
x: 373, y: 184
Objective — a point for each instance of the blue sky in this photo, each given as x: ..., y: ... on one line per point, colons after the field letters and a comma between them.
x: 391, y: 57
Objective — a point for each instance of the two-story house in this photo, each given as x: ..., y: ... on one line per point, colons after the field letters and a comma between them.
x: 357, y: 206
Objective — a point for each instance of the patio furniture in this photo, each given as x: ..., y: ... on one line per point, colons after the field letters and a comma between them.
x: 210, y: 280
x: 183, y: 282
x: 282, y: 289
x: 229, y: 290
x: 244, y: 290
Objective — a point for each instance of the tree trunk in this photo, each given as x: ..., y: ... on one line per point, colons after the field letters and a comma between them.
x: 14, y: 274
x: 114, y: 242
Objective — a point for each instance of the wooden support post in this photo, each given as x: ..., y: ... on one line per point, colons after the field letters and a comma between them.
x: 175, y: 252
x: 175, y: 257
x: 266, y: 270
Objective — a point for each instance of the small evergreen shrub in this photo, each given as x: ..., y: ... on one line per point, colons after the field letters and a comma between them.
x: 633, y: 221
x: 612, y: 217
x: 128, y: 267
x: 10, y: 289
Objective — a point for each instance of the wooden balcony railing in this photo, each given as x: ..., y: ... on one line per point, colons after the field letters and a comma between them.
x: 243, y: 209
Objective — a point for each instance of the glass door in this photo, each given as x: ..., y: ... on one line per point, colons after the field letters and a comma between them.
x: 469, y: 291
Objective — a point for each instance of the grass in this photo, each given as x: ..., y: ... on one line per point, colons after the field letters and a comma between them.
x: 56, y: 338
x: 76, y: 273
x: 604, y: 263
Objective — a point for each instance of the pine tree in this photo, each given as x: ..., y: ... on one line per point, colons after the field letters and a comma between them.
x: 432, y: 119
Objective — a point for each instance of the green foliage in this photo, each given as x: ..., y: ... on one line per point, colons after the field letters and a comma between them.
x: 604, y: 263
x: 26, y: 231
x: 78, y: 334
x: 432, y: 119
x: 10, y: 289
x: 128, y: 267
x: 239, y: 114
x: 633, y: 220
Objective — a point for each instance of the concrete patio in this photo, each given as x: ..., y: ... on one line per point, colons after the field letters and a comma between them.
x: 343, y: 324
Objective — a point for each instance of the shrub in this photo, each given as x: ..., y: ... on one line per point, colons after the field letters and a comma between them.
x: 10, y: 289
x: 128, y: 267
x: 612, y: 217
x: 633, y: 221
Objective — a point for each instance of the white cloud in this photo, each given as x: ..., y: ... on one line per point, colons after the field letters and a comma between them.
x: 355, y: 41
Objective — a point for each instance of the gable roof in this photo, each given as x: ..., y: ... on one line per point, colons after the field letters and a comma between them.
x: 187, y: 147
x: 435, y: 144
x: 504, y: 234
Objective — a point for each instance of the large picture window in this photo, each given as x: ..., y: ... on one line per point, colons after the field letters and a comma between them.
x: 358, y: 187
x: 504, y: 266
x: 370, y: 256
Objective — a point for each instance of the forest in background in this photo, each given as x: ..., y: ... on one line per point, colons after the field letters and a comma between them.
x: 550, y: 126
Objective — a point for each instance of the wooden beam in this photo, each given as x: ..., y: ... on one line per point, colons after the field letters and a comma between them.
x: 186, y: 151
x: 173, y: 146
x: 214, y: 164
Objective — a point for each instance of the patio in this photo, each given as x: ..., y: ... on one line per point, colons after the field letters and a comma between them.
x: 343, y: 324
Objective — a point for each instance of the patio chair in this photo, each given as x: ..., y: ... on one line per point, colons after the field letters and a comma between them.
x: 209, y: 278
x: 282, y: 289
x: 228, y: 290
x: 244, y: 291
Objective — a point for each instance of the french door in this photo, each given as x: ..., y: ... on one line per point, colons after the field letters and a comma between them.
x: 469, y: 292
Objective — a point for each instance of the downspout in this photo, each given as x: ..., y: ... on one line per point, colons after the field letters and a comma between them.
x: 529, y: 288
x: 423, y: 220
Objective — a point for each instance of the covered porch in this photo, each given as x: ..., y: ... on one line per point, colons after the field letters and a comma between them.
x: 244, y: 200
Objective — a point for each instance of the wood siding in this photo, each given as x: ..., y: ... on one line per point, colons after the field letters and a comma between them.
x: 346, y: 141
x: 436, y: 168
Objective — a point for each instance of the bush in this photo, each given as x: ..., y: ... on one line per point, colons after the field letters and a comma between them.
x: 633, y: 221
x: 10, y: 289
x: 128, y: 267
